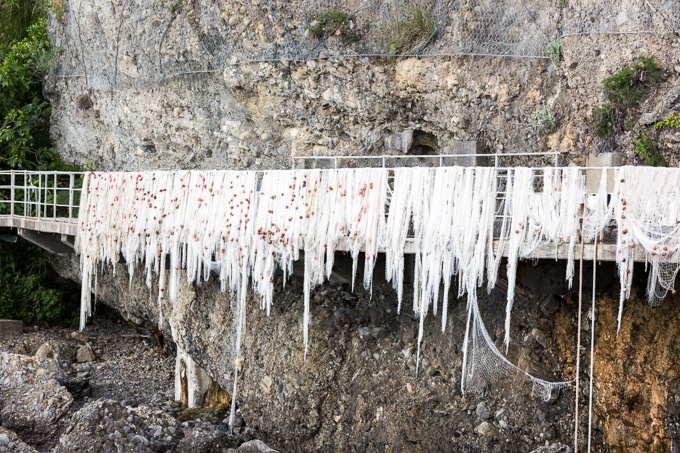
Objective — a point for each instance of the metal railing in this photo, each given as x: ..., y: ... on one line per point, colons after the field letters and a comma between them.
x: 387, y: 161
x: 49, y: 201
x: 40, y: 195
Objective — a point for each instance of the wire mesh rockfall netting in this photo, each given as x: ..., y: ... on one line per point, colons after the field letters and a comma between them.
x: 148, y: 42
x: 649, y: 16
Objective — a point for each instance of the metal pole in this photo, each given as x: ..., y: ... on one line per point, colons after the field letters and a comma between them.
x: 70, y: 195
x: 12, y: 193
x: 54, y: 201
x: 27, y: 204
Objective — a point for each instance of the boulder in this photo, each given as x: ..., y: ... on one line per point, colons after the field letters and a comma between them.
x: 32, y: 402
x: 10, y: 442
x: 85, y: 354
x: 61, y: 352
x: 253, y: 446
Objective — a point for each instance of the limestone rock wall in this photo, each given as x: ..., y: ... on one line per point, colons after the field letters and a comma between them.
x: 118, y: 102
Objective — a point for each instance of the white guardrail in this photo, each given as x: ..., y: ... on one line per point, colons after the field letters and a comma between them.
x: 45, y: 201
x: 49, y: 201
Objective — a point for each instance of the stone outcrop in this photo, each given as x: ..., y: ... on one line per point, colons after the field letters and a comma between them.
x: 32, y: 402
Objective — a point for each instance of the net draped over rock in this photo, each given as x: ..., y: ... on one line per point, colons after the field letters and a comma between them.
x: 243, y: 225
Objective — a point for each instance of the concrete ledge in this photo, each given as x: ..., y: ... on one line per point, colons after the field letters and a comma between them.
x: 10, y: 329
x: 52, y: 242
x: 57, y: 226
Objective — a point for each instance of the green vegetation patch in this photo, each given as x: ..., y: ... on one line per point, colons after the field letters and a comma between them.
x: 627, y: 86
x: 29, y: 291
x: 414, y: 31
x: 672, y: 121
x: 24, y: 113
x: 648, y: 150
x: 543, y: 118
x: 16, y: 17
x: 605, y: 121
x: 624, y: 90
x: 337, y: 22
x: 554, y: 51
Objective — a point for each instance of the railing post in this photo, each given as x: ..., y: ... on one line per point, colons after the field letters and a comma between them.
x: 12, y: 193
x: 54, y: 201
x: 71, y: 182
x: 26, y: 205
x: 40, y: 197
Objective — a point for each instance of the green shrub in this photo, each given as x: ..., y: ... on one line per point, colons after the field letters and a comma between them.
x: 648, y: 150
x: 28, y: 294
x: 28, y: 291
x: 554, y: 51
x: 624, y: 90
x: 673, y: 120
x: 605, y: 121
x: 16, y: 16
x: 418, y: 27
x: 24, y: 113
x: 626, y: 87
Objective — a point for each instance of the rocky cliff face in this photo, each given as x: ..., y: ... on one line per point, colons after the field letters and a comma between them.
x: 142, y: 86
x: 117, y: 103
x: 358, y: 387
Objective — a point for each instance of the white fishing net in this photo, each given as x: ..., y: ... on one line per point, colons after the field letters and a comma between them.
x: 458, y: 221
x: 647, y: 211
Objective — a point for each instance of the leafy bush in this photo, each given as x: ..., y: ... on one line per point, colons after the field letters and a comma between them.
x: 673, y: 120
x: 28, y: 290
x: 624, y: 90
x: 28, y: 294
x: 24, y: 113
x: 648, y: 150
x: 16, y: 16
